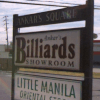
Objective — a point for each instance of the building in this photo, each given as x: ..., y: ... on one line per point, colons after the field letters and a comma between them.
x: 96, y: 52
x: 3, y: 52
x: 6, y: 55
x: 5, y: 58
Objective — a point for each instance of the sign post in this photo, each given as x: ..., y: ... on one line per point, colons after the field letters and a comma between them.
x: 64, y: 50
x: 15, y: 31
x: 88, y: 51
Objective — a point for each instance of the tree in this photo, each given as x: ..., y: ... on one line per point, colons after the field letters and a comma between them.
x: 95, y: 36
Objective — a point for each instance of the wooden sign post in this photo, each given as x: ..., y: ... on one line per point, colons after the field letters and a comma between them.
x: 60, y: 50
x: 88, y: 51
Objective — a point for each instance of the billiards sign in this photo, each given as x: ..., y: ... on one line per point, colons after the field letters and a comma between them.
x: 51, y: 49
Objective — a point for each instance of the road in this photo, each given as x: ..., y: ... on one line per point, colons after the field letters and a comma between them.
x: 5, y: 87
x: 96, y: 89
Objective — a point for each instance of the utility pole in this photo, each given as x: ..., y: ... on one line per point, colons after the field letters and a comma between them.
x: 6, y: 29
x: 7, y: 36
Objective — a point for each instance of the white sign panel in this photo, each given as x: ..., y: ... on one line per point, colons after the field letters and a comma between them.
x: 28, y: 87
x: 58, y: 49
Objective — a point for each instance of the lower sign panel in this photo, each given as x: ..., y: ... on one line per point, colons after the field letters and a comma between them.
x: 35, y: 87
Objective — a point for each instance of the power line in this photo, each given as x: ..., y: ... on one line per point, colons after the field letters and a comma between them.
x: 43, y: 4
x: 61, y: 2
x: 55, y: 2
x: 32, y: 3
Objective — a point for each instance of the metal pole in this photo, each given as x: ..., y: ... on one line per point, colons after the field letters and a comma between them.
x: 88, y: 52
x: 15, y: 31
x: 6, y: 29
x: 6, y: 39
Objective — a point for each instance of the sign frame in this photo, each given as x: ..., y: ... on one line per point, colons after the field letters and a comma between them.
x: 51, y: 77
x: 82, y: 36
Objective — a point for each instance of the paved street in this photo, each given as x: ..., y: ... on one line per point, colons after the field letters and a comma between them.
x: 96, y: 89
x: 5, y: 87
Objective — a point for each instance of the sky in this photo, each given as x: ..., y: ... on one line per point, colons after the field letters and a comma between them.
x: 9, y: 9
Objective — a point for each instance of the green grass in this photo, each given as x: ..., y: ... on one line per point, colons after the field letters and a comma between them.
x: 95, y: 75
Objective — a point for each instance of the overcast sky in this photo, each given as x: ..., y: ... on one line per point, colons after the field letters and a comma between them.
x: 7, y: 9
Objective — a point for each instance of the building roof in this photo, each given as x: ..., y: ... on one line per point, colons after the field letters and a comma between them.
x: 96, y: 41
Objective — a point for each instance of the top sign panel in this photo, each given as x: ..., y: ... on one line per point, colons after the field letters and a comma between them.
x: 51, y: 17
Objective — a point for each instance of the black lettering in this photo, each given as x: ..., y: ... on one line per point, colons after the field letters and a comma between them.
x: 50, y: 62
x: 31, y: 62
x: 41, y: 49
x: 71, y: 48
x: 47, y: 52
x: 32, y: 48
x: 21, y: 56
x: 62, y: 48
x: 28, y: 41
x: 70, y: 64
x: 56, y: 63
x: 36, y: 48
x: 63, y: 63
x: 43, y: 62
x: 54, y: 48
x: 45, y: 38
x: 27, y: 61
x: 37, y: 62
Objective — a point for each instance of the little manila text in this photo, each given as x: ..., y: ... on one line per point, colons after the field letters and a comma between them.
x: 39, y: 88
